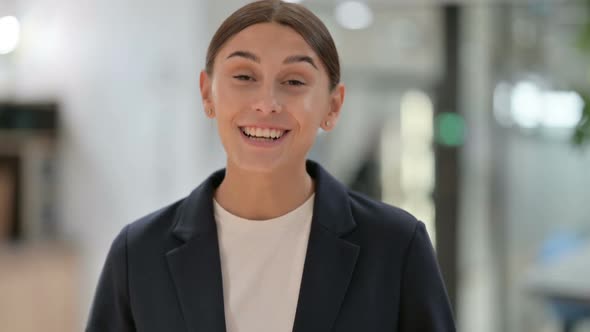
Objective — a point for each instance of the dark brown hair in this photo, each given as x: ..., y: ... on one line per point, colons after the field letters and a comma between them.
x: 295, y: 16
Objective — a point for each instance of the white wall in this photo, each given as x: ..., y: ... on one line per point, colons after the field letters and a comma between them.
x: 133, y: 135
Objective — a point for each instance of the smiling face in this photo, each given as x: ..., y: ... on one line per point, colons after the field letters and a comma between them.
x: 270, y: 93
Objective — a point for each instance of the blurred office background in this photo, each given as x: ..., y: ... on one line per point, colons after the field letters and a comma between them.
x: 473, y: 115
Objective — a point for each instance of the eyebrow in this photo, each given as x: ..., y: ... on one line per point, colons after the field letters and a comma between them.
x: 300, y: 58
x: 245, y: 54
x: 289, y: 60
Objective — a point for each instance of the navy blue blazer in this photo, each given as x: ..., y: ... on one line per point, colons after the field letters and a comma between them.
x: 369, y: 267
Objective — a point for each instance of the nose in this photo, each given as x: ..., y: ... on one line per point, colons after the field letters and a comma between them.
x: 267, y: 101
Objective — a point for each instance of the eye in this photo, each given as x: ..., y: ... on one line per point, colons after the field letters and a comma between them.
x: 244, y: 78
x: 294, y: 82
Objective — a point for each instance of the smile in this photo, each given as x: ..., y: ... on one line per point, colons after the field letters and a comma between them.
x: 263, y: 134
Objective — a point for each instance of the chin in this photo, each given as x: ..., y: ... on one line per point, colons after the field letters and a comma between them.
x: 258, y: 164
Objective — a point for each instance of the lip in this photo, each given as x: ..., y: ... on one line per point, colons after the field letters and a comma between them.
x: 265, y: 143
x: 264, y: 126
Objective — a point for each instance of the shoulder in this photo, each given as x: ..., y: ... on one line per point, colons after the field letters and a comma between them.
x: 152, y: 230
x: 379, y: 220
x: 379, y: 214
x: 134, y: 252
x: 178, y: 221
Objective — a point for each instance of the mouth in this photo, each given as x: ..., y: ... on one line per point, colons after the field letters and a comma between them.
x: 263, y: 134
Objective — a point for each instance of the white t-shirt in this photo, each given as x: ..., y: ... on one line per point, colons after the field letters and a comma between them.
x: 261, y: 265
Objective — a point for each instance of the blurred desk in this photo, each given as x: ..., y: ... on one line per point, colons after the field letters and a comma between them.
x: 565, y: 285
x: 570, y: 308
x: 38, y: 289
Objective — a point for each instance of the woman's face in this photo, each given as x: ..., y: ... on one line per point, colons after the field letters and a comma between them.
x: 270, y: 93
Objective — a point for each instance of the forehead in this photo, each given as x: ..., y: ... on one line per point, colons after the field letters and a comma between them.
x: 268, y: 40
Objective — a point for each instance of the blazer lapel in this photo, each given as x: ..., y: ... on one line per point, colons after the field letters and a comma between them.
x: 330, y: 260
x: 329, y: 264
x: 195, y: 265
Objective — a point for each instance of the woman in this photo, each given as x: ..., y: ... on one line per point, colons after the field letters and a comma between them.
x: 272, y: 242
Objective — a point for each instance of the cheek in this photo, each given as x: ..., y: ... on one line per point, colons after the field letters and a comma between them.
x: 219, y: 91
x: 312, y: 109
x: 223, y: 90
x: 225, y: 100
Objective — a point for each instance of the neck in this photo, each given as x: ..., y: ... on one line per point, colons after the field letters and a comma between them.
x: 261, y: 196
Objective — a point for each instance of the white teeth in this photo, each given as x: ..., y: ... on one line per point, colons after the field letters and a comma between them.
x: 263, y: 132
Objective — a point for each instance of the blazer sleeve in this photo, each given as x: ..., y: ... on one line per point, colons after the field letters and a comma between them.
x: 424, y: 305
x: 110, y: 309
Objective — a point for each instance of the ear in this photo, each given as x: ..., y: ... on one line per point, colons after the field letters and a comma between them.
x: 336, y: 101
x: 206, y: 95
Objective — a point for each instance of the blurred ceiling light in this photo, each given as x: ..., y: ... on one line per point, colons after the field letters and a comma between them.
x: 563, y: 109
x: 354, y: 15
x: 293, y: 1
x: 9, y: 34
x: 526, y: 104
x: 529, y: 106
